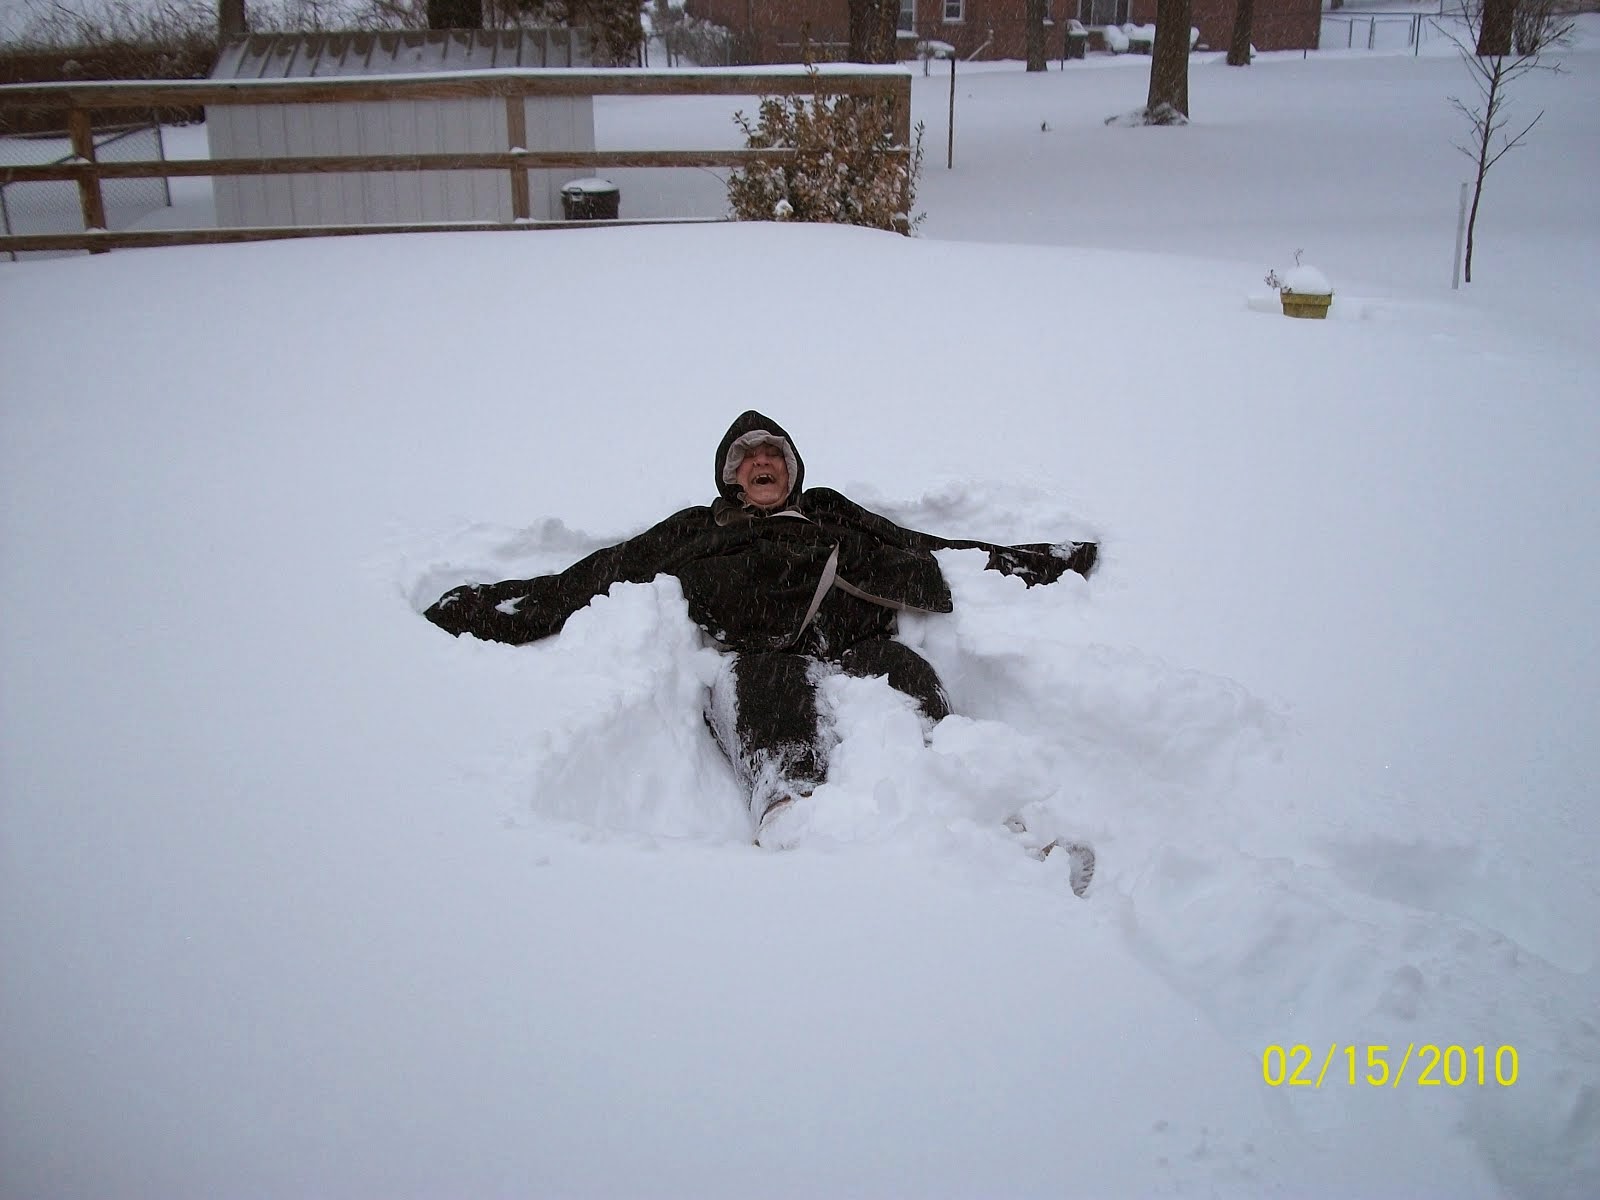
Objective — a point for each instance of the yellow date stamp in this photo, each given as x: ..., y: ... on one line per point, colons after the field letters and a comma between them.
x: 1378, y: 1065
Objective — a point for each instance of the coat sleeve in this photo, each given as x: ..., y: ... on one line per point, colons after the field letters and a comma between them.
x: 525, y: 610
x: 1033, y: 563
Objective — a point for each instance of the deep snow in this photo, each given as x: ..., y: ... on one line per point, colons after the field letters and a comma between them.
x: 300, y: 896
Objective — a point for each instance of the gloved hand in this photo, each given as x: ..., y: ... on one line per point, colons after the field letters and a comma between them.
x: 453, y: 611
x: 1044, y: 563
x: 1079, y: 556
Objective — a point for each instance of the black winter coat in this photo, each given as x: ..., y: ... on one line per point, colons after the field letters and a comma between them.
x: 818, y: 575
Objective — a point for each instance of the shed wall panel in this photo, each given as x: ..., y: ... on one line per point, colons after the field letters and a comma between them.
x: 276, y: 202
x: 431, y: 185
x: 300, y: 137
x: 247, y: 142
x: 490, y: 191
x: 455, y: 133
x: 349, y: 138
x: 223, y: 142
x: 402, y: 124
x: 379, y: 189
x: 392, y: 127
x: 540, y: 182
x: 254, y: 202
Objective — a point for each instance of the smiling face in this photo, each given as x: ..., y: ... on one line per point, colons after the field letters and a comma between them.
x: 763, y: 476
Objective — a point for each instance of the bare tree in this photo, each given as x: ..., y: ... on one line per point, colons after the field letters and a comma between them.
x: 1034, y: 19
x: 1169, y: 64
x: 1540, y: 29
x: 1244, y: 20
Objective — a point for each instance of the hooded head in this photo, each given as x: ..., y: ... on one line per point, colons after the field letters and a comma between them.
x: 749, y: 430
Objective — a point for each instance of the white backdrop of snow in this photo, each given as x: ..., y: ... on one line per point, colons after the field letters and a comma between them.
x: 300, y: 896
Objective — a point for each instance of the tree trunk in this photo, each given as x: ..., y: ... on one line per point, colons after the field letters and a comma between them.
x: 872, y: 30
x: 859, y: 20
x: 455, y: 14
x: 232, y: 21
x: 1035, y: 21
x: 1169, y: 60
x: 888, y: 31
x: 1244, y: 19
x: 1494, y: 35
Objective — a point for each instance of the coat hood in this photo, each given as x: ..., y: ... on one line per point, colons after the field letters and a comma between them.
x: 753, y: 422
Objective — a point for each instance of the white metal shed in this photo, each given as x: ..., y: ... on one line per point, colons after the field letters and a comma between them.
x: 392, y: 127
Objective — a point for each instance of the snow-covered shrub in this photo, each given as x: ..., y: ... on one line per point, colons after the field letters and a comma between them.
x: 843, y: 172
x: 1300, y: 279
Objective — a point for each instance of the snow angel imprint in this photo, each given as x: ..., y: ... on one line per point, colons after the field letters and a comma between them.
x: 784, y: 580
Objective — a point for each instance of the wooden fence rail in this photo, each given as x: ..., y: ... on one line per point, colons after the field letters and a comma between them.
x: 80, y: 102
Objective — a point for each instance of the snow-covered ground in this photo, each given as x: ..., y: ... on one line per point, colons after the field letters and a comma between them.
x: 299, y: 896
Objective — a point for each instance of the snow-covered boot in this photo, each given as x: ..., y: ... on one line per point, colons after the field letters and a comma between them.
x: 1080, y: 863
x: 782, y: 821
x: 1080, y: 855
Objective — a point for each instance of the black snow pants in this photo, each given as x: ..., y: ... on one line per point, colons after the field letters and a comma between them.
x: 763, y: 711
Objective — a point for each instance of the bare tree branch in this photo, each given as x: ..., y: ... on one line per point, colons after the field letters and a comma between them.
x: 1516, y: 33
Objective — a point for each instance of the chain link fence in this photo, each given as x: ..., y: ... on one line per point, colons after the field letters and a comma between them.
x: 53, y: 206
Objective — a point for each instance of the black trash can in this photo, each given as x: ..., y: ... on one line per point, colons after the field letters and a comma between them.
x: 590, y: 200
x: 1077, y: 39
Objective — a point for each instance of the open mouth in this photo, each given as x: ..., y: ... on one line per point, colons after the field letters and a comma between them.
x: 763, y: 478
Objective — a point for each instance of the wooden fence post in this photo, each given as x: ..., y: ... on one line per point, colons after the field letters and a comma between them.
x: 81, y: 129
x: 517, y: 137
x: 901, y: 99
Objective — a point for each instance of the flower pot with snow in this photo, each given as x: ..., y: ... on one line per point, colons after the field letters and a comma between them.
x: 1303, y: 290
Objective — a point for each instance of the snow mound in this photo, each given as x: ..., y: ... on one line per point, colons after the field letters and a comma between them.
x: 1307, y: 281
x: 1161, y: 114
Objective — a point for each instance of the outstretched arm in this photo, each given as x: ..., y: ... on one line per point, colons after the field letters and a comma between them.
x: 1033, y: 563
x: 525, y: 610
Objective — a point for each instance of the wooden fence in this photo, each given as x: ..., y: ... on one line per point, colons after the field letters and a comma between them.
x: 82, y: 103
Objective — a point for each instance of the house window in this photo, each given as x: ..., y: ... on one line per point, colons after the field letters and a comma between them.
x: 908, y: 15
x: 955, y: 11
x: 1103, y: 12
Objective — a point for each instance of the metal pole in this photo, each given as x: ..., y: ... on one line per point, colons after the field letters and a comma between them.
x: 950, y: 142
x: 161, y: 153
x: 5, y: 218
x: 1461, y: 237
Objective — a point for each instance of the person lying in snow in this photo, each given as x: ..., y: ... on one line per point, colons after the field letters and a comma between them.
x: 786, y: 580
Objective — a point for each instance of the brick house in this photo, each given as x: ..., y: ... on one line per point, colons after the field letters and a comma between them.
x: 774, y: 30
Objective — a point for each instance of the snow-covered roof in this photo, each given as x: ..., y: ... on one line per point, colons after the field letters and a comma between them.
x: 304, y: 55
